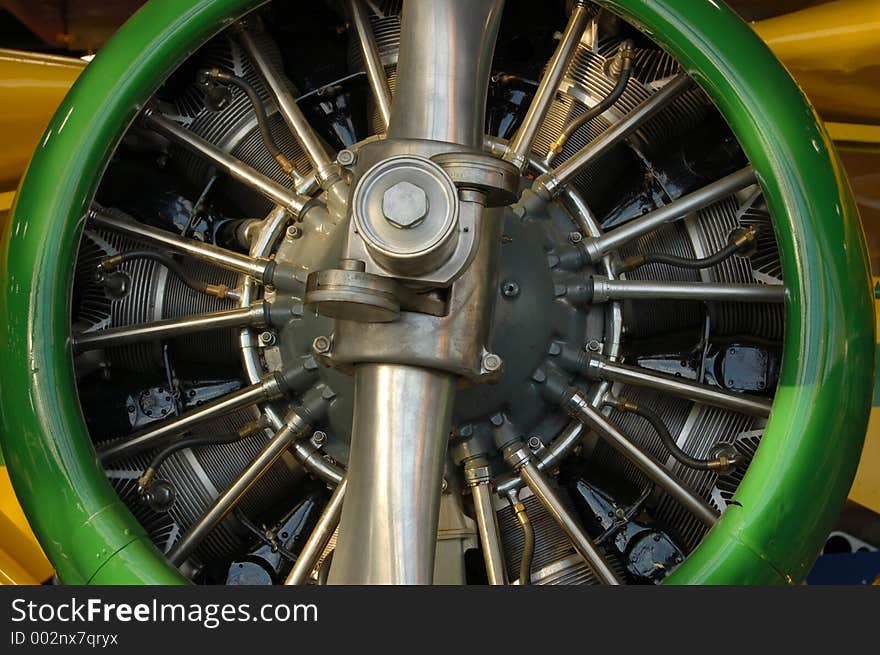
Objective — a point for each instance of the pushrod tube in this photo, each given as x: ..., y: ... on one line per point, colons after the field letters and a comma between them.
x: 268, y: 389
x: 477, y: 476
x: 522, y: 462
x: 360, y: 21
x: 293, y: 428
x: 581, y: 409
x: 236, y: 168
x: 254, y: 316
x: 290, y: 111
x: 605, y: 289
x: 675, y: 210
x: 320, y: 537
x: 550, y: 184
x: 521, y: 144
x: 605, y: 369
x: 227, y: 259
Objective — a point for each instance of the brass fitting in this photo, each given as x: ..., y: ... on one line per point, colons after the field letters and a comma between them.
x: 622, y: 404
x: 285, y: 164
x: 217, y: 290
x: 146, y: 479
x: 519, y: 510
x: 622, y: 60
x: 745, y: 240
x: 110, y: 262
x: 631, y: 263
x: 249, y: 429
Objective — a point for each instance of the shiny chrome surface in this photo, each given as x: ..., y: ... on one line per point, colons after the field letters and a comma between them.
x: 293, y: 116
x: 521, y: 143
x: 228, y: 259
x: 519, y: 283
x: 357, y: 12
x: 605, y: 369
x: 254, y: 316
x: 677, y: 209
x: 293, y: 428
x: 401, y: 424
x: 267, y: 389
x: 605, y: 289
x: 320, y: 537
x: 275, y: 192
x: 446, y: 49
x: 477, y: 476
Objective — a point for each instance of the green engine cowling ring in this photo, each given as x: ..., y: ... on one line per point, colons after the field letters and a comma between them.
x: 803, y: 468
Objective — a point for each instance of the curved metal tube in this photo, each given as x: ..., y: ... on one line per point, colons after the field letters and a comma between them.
x: 583, y: 411
x: 521, y: 461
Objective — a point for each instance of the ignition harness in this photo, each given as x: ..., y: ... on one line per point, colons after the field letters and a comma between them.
x: 723, y: 463
x: 220, y: 76
x: 623, y: 62
x: 741, y: 241
x: 146, y: 479
x: 109, y: 263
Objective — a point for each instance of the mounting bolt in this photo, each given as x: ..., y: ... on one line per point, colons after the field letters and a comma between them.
x: 575, y: 237
x: 293, y: 233
x: 510, y: 289
x: 267, y: 339
x: 319, y: 437
x: 346, y: 157
x: 593, y: 346
x: 491, y: 362
x: 404, y: 205
x: 321, y: 345
x: 535, y: 443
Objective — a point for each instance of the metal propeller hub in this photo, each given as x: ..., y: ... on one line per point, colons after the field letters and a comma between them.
x: 405, y: 209
x: 531, y: 321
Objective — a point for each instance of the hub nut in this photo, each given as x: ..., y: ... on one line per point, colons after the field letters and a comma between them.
x: 405, y: 205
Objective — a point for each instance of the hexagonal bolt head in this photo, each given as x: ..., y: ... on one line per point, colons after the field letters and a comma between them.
x: 321, y: 345
x: 492, y: 363
x: 405, y: 205
x: 346, y: 157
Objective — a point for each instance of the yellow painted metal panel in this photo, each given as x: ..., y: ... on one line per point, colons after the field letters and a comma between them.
x: 833, y: 51
x: 31, y: 88
x: 866, y: 136
x: 21, y: 558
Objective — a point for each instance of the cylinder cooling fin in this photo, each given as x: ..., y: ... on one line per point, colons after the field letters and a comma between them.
x: 302, y: 312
